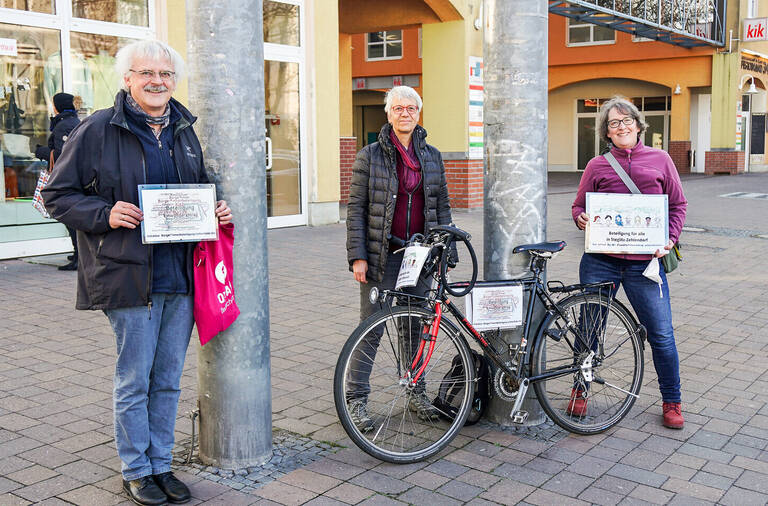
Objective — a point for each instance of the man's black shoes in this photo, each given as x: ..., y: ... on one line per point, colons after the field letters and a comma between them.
x: 174, y: 489
x: 144, y: 491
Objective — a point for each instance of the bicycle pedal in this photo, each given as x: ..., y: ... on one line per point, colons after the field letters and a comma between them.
x: 520, y: 417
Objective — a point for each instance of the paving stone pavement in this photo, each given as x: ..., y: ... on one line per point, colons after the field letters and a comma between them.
x: 56, y: 364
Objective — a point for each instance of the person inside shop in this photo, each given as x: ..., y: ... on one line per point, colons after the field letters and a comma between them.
x: 145, y: 290
x: 62, y: 123
x: 653, y: 172
x: 398, y: 189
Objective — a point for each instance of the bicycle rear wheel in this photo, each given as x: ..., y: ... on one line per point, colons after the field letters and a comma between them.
x: 589, y: 399
x: 381, y: 412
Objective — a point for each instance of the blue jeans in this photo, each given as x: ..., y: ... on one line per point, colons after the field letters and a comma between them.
x: 150, y: 359
x: 651, y: 307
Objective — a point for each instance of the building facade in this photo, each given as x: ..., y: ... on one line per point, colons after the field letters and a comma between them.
x: 324, y: 94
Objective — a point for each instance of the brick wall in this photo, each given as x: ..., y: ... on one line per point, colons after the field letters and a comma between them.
x: 678, y: 151
x: 465, y: 183
x: 724, y: 162
x: 348, y: 148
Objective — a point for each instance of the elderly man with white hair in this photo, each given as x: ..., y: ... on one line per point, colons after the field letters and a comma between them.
x: 398, y: 189
x: 145, y: 290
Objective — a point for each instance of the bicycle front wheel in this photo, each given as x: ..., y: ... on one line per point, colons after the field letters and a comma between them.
x: 593, y: 355
x: 381, y: 410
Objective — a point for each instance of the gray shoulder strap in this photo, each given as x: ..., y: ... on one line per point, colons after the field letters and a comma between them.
x: 621, y: 172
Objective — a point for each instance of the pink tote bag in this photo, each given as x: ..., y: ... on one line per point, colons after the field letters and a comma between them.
x: 215, y: 306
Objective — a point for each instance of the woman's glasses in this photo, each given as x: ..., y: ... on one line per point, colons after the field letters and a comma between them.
x: 614, y: 123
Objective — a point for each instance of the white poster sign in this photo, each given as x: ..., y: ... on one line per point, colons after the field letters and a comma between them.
x: 626, y: 223
x: 410, y: 268
x: 178, y: 213
x: 492, y: 307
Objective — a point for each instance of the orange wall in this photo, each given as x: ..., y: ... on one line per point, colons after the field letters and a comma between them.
x: 622, y: 50
x: 409, y: 64
x: 690, y: 72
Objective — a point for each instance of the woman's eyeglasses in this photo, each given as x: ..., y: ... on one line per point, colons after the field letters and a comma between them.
x: 614, y: 123
x: 398, y: 109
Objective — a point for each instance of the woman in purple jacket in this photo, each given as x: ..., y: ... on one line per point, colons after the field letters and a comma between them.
x: 653, y: 171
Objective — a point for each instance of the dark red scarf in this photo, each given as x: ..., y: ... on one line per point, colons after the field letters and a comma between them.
x: 411, y: 177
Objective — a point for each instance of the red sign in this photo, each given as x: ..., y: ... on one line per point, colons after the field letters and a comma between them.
x: 755, y: 29
x: 397, y: 81
x: 360, y: 83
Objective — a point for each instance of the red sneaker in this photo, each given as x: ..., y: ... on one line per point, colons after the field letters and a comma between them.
x: 673, y: 416
x: 578, y: 403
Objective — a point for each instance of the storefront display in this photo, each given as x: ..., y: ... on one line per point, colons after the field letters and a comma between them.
x: 40, y: 56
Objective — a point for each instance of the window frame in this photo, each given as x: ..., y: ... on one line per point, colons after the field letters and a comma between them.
x: 383, y: 43
x: 571, y: 23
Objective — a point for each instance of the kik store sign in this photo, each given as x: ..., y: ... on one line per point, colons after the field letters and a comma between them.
x: 755, y: 29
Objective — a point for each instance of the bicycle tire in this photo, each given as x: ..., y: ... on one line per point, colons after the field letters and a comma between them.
x: 617, y: 368
x: 399, y: 435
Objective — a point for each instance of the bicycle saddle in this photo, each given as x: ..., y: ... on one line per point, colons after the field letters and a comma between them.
x: 548, y: 247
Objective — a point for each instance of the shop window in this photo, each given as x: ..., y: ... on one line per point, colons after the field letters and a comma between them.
x: 127, y: 12
x: 585, y: 34
x: 92, y: 69
x: 281, y: 23
x: 44, y: 6
x: 385, y: 45
x: 25, y: 104
x: 752, y: 8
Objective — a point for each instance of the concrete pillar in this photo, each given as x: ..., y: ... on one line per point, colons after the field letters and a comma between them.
x: 515, y: 124
x: 226, y: 90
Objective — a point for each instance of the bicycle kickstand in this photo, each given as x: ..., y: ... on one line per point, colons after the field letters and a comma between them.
x: 519, y: 417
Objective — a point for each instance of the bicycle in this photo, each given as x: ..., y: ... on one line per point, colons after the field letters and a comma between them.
x: 584, y: 360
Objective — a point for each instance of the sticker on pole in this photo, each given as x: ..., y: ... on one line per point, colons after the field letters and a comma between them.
x: 413, y: 260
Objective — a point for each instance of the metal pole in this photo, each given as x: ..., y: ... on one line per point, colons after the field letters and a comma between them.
x: 515, y: 117
x: 226, y: 89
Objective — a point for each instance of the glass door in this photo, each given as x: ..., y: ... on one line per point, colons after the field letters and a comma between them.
x: 282, y: 118
x: 284, y: 112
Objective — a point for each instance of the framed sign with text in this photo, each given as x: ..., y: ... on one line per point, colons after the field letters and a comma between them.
x: 178, y: 213
x: 625, y: 223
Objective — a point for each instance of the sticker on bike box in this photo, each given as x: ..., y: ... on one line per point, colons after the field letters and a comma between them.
x: 410, y: 268
x: 495, y: 307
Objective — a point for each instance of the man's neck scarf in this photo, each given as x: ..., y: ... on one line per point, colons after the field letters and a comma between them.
x: 162, y: 120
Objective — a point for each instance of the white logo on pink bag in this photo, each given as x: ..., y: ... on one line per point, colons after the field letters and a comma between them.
x: 221, y: 272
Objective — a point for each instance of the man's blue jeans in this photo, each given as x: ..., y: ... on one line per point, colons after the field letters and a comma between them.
x: 651, y: 307
x: 150, y: 359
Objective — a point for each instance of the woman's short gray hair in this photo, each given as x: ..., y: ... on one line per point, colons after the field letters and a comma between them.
x: 153, y: 49
x: 405, y: 92
x: 624, y: 106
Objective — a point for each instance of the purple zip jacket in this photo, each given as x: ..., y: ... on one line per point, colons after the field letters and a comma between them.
x: 651, y: 170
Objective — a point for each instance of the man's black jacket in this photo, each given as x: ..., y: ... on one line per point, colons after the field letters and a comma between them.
x: 372, y: 195
x: 101, y: 163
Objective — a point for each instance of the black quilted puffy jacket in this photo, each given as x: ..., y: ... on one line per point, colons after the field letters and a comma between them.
x: 373, y: 192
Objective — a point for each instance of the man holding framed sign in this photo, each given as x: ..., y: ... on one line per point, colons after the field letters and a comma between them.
x: 145, y: 290
x: 619, y: 249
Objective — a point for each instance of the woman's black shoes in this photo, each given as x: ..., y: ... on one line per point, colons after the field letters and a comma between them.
x: 174, y: 489
x: 144, y: 491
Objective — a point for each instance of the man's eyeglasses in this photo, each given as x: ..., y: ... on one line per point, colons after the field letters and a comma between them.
x: 614, y: 123
x: 165, y: 75
x: 411, y: 109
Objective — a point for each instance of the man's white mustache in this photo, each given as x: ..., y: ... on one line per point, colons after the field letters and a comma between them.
x: 155, y: 89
